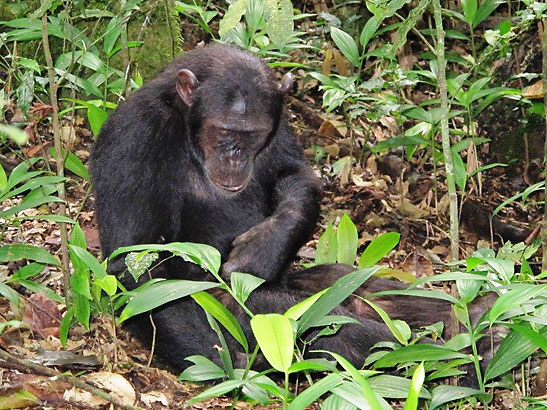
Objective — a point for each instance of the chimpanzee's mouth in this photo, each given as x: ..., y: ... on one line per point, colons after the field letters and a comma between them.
x: 232, y: 188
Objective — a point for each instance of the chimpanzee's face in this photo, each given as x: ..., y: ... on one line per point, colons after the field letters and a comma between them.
x: 230, y: 147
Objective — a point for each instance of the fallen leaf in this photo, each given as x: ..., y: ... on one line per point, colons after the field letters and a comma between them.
x: 43, y: 315
x: 534, y: 91
x: 116, y: 384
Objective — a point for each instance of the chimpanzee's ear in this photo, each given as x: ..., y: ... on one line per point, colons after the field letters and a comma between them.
x: 186, y: 84
x: 287, y: 84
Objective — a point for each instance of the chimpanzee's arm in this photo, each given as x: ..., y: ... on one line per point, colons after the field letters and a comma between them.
x: 267, y: 249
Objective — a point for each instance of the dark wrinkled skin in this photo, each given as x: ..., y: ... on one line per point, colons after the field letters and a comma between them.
x: 203, y: 154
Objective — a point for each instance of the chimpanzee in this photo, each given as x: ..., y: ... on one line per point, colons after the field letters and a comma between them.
x: 203, y: 154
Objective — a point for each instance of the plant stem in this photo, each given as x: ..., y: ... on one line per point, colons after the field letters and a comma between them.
x: 53, y: 87
x: 469, y: 327
x: 544, y: 225
x: 445, y: 135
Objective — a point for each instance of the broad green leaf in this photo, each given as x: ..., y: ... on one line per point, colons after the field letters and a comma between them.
x: 334, y: 402
x: 89, y: 260
x: 82, y: 309
x: 38, y: 287
x: 327, y: 247
x: 432, y: 294
x: 3, y: 178
x: 348, y: 240
x: 18, y: 251
x: 367, y: 391
x: 108, y: 283
x: 394, y: 387
x: 52, y: 218
x: 243, y: 284
x: 112, y: 33
x: 73, y: 163
x: 29, y: 63
x: 469, y: 8
x: 203, y: 255
x: 280, y: 24
x: 223, y: 315
x: 306, y: 365
x: 401, y: 332
x: 515, y: 298
x: 96, y: 117
x: 79, y: 282
x: 460, y: 170
x: 513, y: 350
x: 27, y: 271
x: 215, y: 391
x: 202, y: 370
x: 10, y: 294
x: 274, y: 335
x: 232, y: 17
x: 417, y: 353
x: 315, y: 391
x: 415, y: 388
x: 336, y: 294
x: 146, y: 298
x: 18, y: 136
x: 445, y: 393
x: 370, y: 28
x: 294, y: 312
x: 138, y: 263
x: 27, y: 204
x: 64, y: 326
x: 346, y: 45
x: 537, y: 338
x: 485, y: 10
x: 378, y: 248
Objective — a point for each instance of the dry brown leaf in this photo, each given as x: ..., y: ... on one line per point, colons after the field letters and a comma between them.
x: 116, y: 384
x: 409, y: 210
x: 154, y: 397
x: 43, y: 315
x: 534, y: 91
x: 418, y: 264
x: 341, y: 63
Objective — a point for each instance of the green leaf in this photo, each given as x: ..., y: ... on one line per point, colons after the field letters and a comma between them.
x: 280, y: 24
x: 27, y: 271
x: 232, y: 17
x: 415, y: 388
x: 294, y: 312
x: 367, y: 391
x: 394, y: 387
x: 243, y: 284
x: 202, y: 370
x: 73, y: 163
x: 18, y: 136
x: 460, y: 170
x: 96, y: 117
x: 203, y: 255
x: 146, y: 298
x: 348, y: 240
x: 18, y: 251
x: 485, y: 10
x: 10, y: 294
x: 215, y: 391
x: 535, y: 337
x: 346, y: 45
x: 370, y: 28
x: 112, y: 33
x: 469, y: 8
x: 513, y: 350
x: 445, y: 393
x: 89, y: 260
x: 315, y: 391
x: 378, y: 248
x: 82, y: 309
x: 336, y: 294
x: 513, y: 299
x: 3, y: 178
x: 417, y: 353
x: 401, y: 332
x: 28, y: 63
x: 223, y: 315
x: 27, y: 204
x: 108, y: 283
x: 64, y: 326
x: 79, y: 282
x: 274, y: 335
x: 327, y: 247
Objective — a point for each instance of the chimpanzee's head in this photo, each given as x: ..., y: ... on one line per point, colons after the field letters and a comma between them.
x: 234, y: 107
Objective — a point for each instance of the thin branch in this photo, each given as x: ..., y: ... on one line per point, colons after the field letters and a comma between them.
x: 53, y: 87
x: 46, y: 371
x: 544, y: 225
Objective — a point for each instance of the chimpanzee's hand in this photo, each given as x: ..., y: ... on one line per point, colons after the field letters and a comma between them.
x: 257, y: 252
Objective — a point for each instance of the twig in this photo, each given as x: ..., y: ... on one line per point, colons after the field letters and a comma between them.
x: 53, y: 87
x: 46, y: 371
x: 544, y: 225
